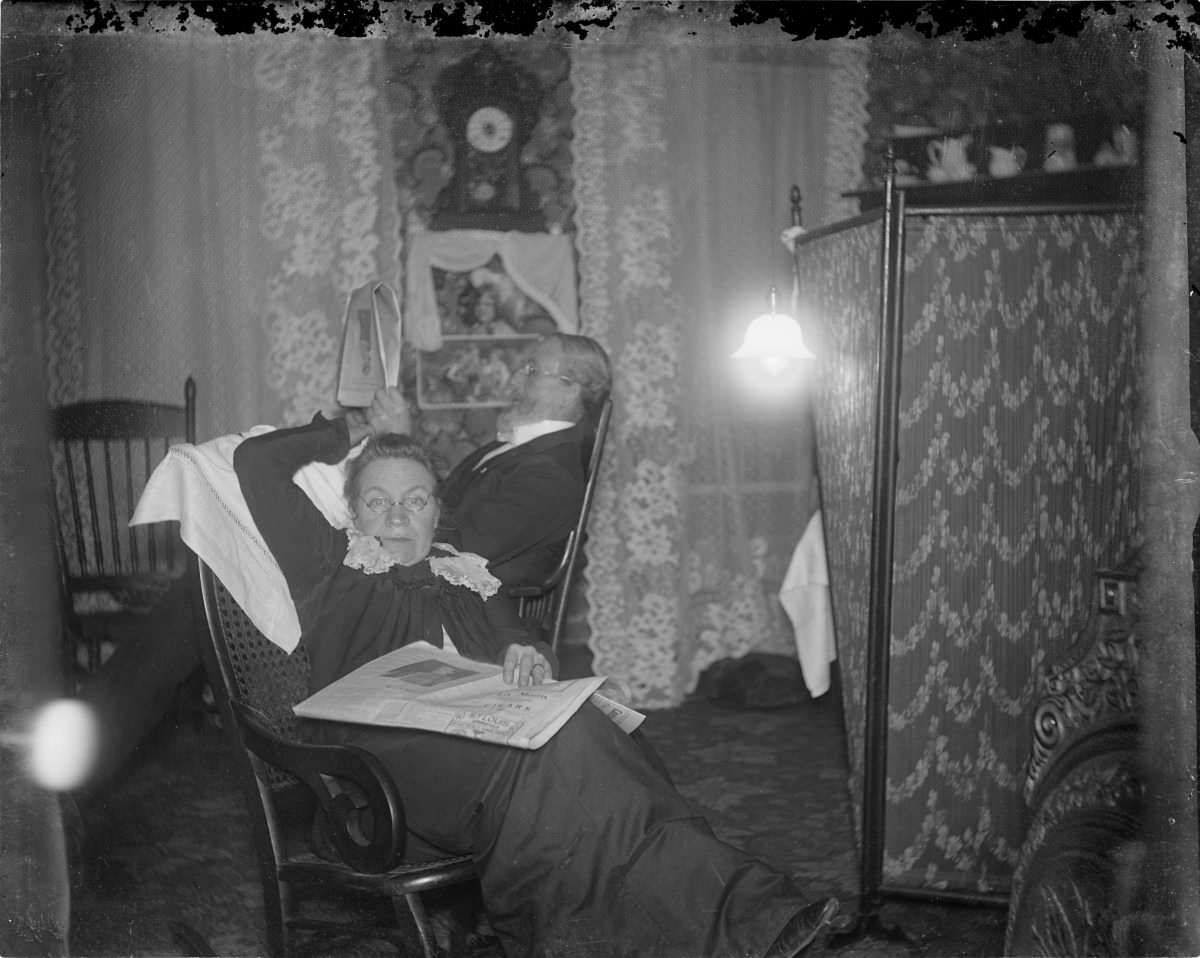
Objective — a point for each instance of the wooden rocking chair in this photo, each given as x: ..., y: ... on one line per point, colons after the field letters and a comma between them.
x: 545, y: 602
x: 287, y: 781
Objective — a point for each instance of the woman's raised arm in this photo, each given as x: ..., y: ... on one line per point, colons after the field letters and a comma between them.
x: 303, y: 542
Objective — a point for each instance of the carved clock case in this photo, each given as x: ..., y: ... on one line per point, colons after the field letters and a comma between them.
x: 489, y: 105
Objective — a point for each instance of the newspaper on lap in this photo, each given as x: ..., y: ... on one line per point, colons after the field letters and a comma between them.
x: 423, y: 687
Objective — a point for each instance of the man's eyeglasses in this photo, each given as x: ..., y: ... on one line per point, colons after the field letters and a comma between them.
x: 531, y: 369
x: 413, y: 503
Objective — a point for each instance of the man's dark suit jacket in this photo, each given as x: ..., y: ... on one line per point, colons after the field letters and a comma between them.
x: 518, y: 508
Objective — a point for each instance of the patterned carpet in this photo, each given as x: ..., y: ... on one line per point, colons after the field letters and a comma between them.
x: 166, y: 866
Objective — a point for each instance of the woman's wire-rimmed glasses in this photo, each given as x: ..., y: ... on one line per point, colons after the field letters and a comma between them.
x: 413, y: 503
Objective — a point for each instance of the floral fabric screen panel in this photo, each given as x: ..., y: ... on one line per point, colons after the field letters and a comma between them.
x: 488, y: 326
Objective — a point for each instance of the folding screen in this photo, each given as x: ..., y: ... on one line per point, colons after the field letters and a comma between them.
x: 1016, y: 480
x: 841, y: 281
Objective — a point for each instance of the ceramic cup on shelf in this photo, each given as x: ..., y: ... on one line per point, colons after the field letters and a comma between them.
x: 1005, y: 160
x: 948, y: 159
x: 1121, y: 150
x: 1060, y: 148
x: 906, y: 173
x: 1125, y: 143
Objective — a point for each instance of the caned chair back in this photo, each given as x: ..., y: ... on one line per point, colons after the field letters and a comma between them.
x: 546, y: 602
x: 244, y: 665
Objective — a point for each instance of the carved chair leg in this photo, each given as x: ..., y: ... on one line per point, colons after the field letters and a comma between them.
x: 416, y: 908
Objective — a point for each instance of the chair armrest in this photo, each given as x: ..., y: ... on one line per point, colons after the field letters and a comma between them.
x: 526, y: 591
x: 532, y: 590
x: 355, y: 792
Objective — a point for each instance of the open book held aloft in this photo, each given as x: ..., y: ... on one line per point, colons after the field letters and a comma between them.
x: 370, y: 352
x: 423, y: 687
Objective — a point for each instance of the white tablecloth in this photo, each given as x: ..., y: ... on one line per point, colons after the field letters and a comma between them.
x: 805, y: 598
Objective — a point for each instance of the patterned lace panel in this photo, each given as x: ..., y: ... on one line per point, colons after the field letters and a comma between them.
x: 847, y: 126
x: 678, y: 573
x: 624, y: 242
x: 328, y: 211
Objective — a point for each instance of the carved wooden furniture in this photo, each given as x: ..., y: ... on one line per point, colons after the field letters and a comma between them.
x: 1083, y: 790
x: 490, y: 104
x: 286, y: 782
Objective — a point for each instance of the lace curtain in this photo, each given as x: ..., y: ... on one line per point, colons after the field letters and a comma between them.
x: 210, y: 203
x: 686, y: 144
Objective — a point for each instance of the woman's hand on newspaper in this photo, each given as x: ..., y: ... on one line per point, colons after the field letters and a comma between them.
x: 525, y: 665
x: 389, y: 412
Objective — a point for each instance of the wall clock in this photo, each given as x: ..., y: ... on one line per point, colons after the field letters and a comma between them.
x: 489, y: 106
x: 489, y: 129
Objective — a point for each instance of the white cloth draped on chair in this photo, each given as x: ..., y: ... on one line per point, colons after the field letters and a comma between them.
x: 805, y: 598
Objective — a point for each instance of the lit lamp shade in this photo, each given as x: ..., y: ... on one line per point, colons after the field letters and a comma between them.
x: 775, y: 340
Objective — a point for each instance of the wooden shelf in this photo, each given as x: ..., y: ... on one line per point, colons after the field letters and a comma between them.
x: 1085, y: 186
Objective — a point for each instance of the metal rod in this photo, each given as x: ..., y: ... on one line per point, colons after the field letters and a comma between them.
x: 1015, y: 210
x: 868, y: 217
x: 879, y: 614
x: 966, y: 898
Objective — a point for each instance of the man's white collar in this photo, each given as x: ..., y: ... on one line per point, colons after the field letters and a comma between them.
x: 527, y: 431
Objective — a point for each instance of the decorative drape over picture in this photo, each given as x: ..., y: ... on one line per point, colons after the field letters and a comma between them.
x: 1016, y: 482
x: 540, y: 265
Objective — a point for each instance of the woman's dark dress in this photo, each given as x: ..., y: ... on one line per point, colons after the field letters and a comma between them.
x: 583, y: 847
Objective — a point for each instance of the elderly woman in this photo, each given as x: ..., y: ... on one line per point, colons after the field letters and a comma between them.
x: 583, y: 847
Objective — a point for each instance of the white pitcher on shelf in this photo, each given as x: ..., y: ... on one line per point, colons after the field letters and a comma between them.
x: 1060, y: 148
x: 948, y: 159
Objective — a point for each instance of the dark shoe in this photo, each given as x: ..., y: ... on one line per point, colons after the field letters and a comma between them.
x: 803, y: 929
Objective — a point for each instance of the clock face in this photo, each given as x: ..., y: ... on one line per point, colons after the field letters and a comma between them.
x: 489, y: 129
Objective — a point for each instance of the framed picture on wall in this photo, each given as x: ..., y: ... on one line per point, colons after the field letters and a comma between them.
x: 471, y: 371
x: 488, y: 325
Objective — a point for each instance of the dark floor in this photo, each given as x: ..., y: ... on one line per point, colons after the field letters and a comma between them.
x: 167, y: 851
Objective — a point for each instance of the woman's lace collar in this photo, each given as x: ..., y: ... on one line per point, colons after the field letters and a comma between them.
x: 367, y: 554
